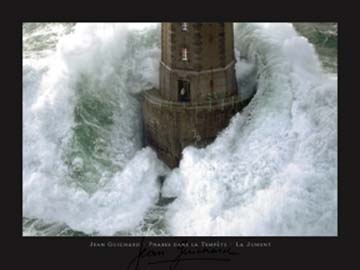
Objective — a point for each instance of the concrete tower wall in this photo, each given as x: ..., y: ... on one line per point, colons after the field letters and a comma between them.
x: 171, y: 122
x: 211, y: 63
x: 170, y: 126
x: 217, y: 83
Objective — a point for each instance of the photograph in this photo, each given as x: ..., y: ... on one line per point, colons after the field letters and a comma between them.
x: 179, y: 129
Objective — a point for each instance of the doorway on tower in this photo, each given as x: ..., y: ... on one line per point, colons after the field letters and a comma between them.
x: 184, y: 91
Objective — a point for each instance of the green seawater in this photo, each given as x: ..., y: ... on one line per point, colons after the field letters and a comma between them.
x: 324, y: 37
x: 93, y: 109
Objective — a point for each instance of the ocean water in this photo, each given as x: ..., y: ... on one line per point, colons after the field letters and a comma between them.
x: 272, y: 171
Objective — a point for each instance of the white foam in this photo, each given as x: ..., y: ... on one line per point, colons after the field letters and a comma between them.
x: 98, y: 54
x: 273, y: 171
x: 118, y: 206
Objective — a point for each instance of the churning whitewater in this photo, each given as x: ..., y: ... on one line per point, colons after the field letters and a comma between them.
x: 272, y: 171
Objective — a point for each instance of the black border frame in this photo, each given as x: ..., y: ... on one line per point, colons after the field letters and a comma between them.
x: 284, y: 251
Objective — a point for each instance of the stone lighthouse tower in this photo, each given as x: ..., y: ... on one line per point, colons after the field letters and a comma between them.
x: 198, y: 92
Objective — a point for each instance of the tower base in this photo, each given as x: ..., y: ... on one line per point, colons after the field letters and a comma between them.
x: 171, y: 126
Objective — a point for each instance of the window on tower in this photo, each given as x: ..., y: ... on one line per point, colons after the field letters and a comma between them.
x: 184, y: 27
x: 184, y: 90
x: 184, y: 54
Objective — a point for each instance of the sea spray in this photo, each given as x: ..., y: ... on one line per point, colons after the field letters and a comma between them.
x: 277, y: 176
x: 81, y: 131
x: 273, y: 171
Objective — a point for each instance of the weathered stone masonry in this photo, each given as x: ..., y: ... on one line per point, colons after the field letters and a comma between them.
x: 198, y: 92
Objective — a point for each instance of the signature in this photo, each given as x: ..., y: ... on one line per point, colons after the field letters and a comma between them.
x: 184, y: 253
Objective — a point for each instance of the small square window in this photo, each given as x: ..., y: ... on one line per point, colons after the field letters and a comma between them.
x: 184, y: 54
x: 184, y: 27
x: 184, y: 91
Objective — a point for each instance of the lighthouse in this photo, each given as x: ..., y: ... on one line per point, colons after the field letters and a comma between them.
x: 198, y: 92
